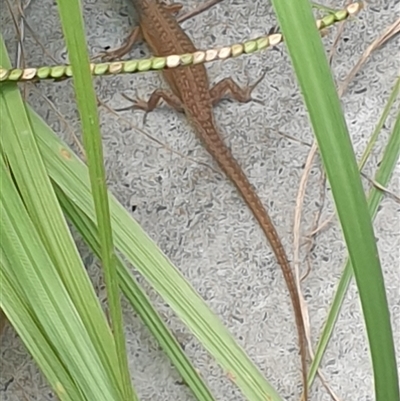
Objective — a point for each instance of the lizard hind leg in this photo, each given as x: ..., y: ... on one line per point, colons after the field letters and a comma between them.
x: 229, y: 87
x: 153, y: 102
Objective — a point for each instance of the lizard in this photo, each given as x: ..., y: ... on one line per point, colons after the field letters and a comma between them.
x: 192, y: 95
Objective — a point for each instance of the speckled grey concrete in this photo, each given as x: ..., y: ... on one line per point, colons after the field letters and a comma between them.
x: 195, y: 214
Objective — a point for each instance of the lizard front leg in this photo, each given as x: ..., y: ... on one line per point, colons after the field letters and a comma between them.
x: 119, y: 52
x: 134, y: 36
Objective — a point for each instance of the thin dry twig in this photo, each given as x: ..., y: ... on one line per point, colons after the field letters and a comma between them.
x: 388, y: 34
x: 37, y: 40
x: 68, y: 127
x: 296, y: 237
x: 335, y: 43
x: 377, y: 185
x: 22, y: 23
x: 20, y: 35
x: 317, y: 217
x: 294, y: 139
x: 198, y: 10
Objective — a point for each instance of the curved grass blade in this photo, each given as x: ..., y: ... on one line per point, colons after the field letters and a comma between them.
x: 19, y: 146
x: 72, y: 24
x: 389, y: 160
x: 70, y: 174
x: 140, y: 302
x: 62, y: 348
x: 319, y: 92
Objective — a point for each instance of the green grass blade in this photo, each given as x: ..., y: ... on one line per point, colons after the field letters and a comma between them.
x: 392, y: 98
x: 19, y: 145
x: 141, y: 303
x: 313, y: 73
x: 72, y: 24
x: 20, y: 316
x: 385, y: 171
x: 69, y: 173
x: 32, y: 282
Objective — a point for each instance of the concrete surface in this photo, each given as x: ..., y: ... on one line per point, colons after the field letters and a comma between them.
x: 195, y: 214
